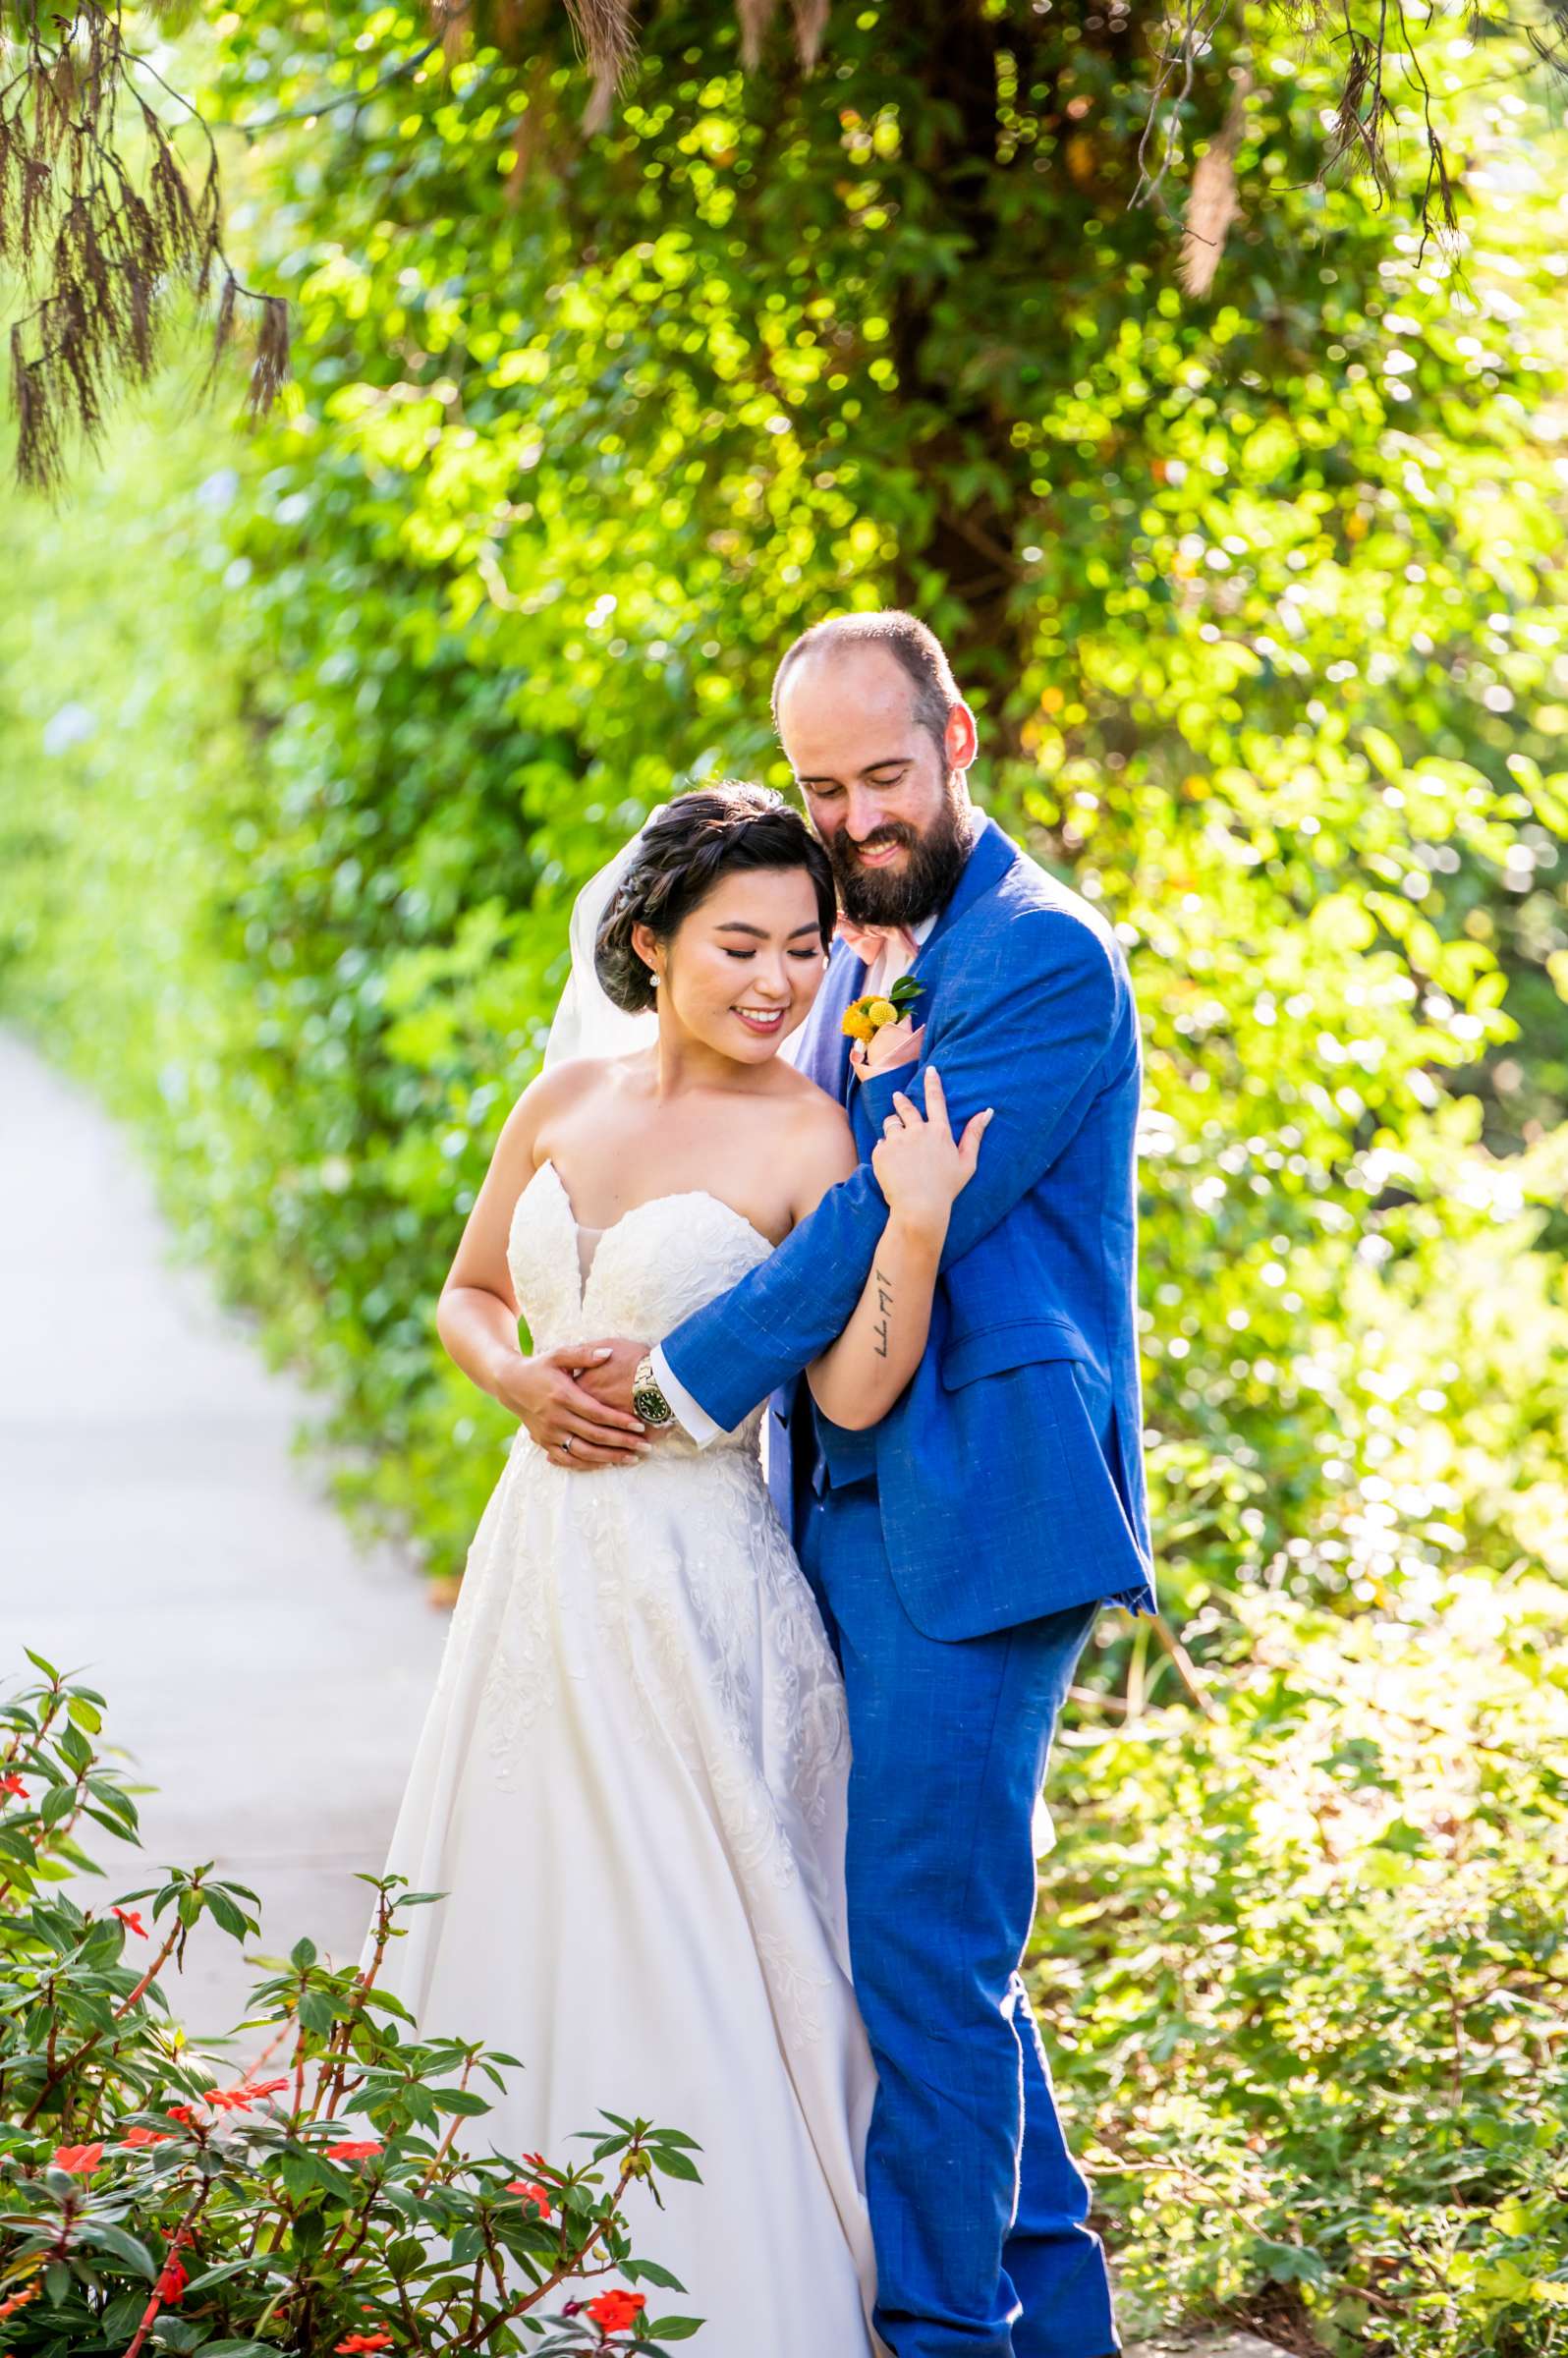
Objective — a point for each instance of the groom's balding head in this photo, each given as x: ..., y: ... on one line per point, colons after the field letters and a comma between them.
x: 884, y: 635
x: 880, y: 740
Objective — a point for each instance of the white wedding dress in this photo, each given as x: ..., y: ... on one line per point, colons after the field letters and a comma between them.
x: 631, y: 1785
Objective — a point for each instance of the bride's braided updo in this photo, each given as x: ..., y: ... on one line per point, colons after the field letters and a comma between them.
x: 700, y: 838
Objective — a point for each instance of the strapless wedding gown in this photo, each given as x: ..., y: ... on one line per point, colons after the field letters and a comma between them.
x: 631, y: 1785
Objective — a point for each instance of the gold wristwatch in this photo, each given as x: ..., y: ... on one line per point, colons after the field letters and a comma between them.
x: 647, y: 1401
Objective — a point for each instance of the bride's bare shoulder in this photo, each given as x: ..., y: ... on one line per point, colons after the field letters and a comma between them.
x: 559, y: 1086
x: 801, y: 1098
x: 559, y: 1091
x: 818, y: 1140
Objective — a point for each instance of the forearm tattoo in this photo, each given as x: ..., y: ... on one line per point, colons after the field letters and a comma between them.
x: 885, y: 1305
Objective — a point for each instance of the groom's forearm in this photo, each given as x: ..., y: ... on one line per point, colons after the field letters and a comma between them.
x: 732, y: 1354
x: 1040, y: 1077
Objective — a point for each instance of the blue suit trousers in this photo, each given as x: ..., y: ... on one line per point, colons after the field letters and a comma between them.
x: 978, y: 2210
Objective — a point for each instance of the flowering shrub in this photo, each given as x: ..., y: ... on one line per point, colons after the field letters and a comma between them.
x: 316, y: 2201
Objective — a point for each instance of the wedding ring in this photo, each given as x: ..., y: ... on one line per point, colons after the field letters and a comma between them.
x: 567, y: 1444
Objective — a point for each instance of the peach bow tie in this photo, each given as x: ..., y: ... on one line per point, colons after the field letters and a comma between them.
x: 869, y: 941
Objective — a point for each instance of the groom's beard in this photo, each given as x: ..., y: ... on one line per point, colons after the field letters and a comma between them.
x: 880, y: 896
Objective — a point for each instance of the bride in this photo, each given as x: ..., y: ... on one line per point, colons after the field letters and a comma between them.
x: 631, y: 1780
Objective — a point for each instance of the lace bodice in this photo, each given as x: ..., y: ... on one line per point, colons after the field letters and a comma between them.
x: 650, y: 1269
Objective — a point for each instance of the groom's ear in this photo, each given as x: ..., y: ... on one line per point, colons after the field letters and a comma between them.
x: 961, y: 738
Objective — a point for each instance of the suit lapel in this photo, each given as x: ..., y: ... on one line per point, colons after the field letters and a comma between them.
x: 993, y: 854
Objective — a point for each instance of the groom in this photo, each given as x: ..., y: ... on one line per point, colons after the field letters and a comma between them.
x: 961, y: 1547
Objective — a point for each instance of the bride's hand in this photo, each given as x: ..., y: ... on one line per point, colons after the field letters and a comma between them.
x: 920, y: 1165
x: 572, y: 1428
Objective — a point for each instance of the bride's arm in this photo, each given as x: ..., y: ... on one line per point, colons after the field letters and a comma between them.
x: 920, y: 1168
x: 476, y: 1316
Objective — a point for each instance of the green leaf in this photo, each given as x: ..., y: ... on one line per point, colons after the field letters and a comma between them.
x: 674, y: 2328
x: 73, y: 1747
x: 649, y: 2271
x: 179, y: 2334
x: 316, y: 2012
x: 257, y: 2260
x: 123, y: 2316
x: 467, y: 2103
x: 124, y: 2246
x: 225, y: 1914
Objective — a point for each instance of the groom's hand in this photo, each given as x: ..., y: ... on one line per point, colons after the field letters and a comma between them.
x: 610, y: 1378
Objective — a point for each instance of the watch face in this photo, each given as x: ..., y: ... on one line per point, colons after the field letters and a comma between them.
x: 652, y: 1406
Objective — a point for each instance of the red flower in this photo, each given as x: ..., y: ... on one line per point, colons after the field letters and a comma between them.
x: 364, y: 2341
x: 529, y: 2194
x: 19, y: 2300
x: 131, y: 1919
x: 79, y: 2160
x: 229, y: 2100
x: 145, y: 2137
x: 615, y: 2311
x: 354, y: 2148
x: 241, y: 2095
x: 536, y: 2161
x: 172, y: 2280
x: 12, y: 1783
x: 184, y: 2113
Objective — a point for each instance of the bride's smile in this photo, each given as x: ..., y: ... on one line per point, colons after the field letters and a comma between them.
x: 764, y: 1021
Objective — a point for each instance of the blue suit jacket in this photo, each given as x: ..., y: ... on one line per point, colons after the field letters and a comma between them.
x: 1009, y: 1472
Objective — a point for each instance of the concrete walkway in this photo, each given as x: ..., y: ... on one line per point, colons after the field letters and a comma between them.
x: 156, y: 1533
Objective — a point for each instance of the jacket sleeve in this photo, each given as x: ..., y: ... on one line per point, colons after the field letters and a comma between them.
x: 1029, y: 1035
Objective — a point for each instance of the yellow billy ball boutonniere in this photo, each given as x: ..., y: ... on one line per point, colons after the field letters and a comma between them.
x: 865, y: 1017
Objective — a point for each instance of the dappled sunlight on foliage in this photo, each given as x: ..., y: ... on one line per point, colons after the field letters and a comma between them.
x: 1259, y: 601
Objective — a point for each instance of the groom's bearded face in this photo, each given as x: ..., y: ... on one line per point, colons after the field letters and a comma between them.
x: 894, y: 817
x: 922, y: 877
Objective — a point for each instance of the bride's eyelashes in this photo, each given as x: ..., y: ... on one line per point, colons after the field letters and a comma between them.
x: 811, y: 955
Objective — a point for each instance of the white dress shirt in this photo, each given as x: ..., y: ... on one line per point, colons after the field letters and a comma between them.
x: 894, y: 962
